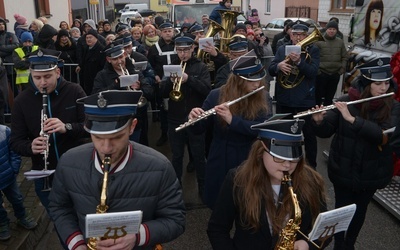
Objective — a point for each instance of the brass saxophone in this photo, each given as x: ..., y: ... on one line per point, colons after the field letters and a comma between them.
x: 102, y: 207
x: 287, y: 236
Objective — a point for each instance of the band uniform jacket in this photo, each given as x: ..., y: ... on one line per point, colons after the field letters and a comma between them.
x: 26, y: 121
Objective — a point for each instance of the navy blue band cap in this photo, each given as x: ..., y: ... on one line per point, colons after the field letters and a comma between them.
x: 299, y: 27
x: 196, y: 28
x: 44, y: 60
x: 283, y: 138
x: 108, y: 112
x: 166, y: 25
x: 238, y: 43
x: 184, y: 40
x: 378, y: 70
x: 113, y: 50
x: 248, y: 67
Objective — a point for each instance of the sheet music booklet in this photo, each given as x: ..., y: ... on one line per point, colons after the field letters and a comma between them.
x: 115, y: 224
x: 331, y: 222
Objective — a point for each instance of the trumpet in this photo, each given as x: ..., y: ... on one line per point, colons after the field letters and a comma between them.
x: 212, y: 111
x: 43, y: 133
x: 142, y: 101
x: 310, y: 112
x: 176, y: 94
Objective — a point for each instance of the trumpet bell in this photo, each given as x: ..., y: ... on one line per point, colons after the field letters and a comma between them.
x: 175, y: 95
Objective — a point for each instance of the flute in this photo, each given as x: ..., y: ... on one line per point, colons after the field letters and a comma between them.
x: 212, y: 111
x: 310, y: 112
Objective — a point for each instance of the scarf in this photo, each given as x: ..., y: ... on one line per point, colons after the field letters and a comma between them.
x: 354, y: 94
x: 151, y: 40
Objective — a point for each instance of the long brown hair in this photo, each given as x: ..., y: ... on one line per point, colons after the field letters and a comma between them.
x: 250, y: 107
x: 253, y: 189
x: 383, y: 113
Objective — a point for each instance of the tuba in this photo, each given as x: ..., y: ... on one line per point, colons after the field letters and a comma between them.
x: 295, y: 78
x: 228, y: 18
x: 176, y: 94
x: 287, y: 236
x: 102, y: 207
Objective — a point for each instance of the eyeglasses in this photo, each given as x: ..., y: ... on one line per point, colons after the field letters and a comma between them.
x: 280, y: 160
x: 183, y: 50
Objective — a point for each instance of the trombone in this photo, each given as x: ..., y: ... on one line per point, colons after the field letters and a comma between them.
x: 176, y: 94
x: 142, y: 101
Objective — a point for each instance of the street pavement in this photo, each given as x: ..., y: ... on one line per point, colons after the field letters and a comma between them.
x: 380, y: 231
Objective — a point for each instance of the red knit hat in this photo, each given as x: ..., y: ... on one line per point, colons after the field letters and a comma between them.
x: 20, y: 19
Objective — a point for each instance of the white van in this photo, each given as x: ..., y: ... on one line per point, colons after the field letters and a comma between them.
x: 134, y: 7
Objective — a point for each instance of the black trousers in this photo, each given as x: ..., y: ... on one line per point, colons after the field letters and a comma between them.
x: 325, y: 88
x: 310, y: 140
x: 343, y: 197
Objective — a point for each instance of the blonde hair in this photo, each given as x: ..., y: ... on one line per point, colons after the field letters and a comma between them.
x: 38, y: 23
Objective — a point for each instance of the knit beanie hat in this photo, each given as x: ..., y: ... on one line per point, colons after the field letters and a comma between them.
x: 332, y: 24
x: 2, y: 20
x: 93, y: 33
x: 20, y: 19
x: 47, y: 32
x: 240, y: 26
x: 158, y: 20
x: 26, y: 36
x: 75, y: 28
x: 62, y: 32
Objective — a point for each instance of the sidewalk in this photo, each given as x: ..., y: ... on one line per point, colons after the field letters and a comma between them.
x: 22, y: 239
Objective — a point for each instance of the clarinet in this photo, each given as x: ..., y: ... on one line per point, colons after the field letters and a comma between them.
x: 43, y: 133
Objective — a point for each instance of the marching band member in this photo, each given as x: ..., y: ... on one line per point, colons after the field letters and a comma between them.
x: 360, y: 158
x: 296, y: 98
x: 195, y: 86
x: 232, y: 136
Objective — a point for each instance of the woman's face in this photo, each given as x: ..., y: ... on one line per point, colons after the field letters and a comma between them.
x: 276, y: 167
x: 34, y: 27
x: 252, y: 85
x: 64, y: 25
x: 136, y: 35
x: 64, y: 39
x: 375, y: 19
x: 379, y: 88
x: 152, y: 33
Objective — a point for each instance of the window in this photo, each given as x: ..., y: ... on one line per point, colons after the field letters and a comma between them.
x: 268, y: 6
x: 162, y: 2
x: 42, y: 8
x: 343, y: 5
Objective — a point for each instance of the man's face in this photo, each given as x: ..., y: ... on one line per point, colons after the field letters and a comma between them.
x: 198, y: 34
x: 146, y: 21
x: 86, y: 27
x: 2, y: 26
x: 27, y: 43
x: 331, y: 32
x: 46, y: 79
x: 117, y: 62
x: 167, y: 34
x: 114, y: 144
x: 241, y: 32
x: 128, y: 49
x: 107, y: 27
x: 297, y: 36
x: 184, y: 53
x: 205, y: 20
x: 91, y: 40
x: 136, y: 35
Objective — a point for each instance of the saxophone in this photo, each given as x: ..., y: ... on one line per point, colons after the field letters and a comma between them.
x: 287, y: 236
x: 102, y: 207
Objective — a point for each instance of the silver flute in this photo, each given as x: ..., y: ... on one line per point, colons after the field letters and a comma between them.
x: 310, y: 112
x: 212, y: 111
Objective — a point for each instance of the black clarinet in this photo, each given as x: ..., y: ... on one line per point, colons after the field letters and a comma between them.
x: 43, y: 133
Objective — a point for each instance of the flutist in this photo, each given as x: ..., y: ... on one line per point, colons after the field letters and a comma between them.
x: 139, y: 178
x: 231, y: 133
x: 64, y: 124
x: 360, y: 158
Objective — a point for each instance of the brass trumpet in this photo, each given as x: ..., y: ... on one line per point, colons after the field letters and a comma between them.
x: 176, y: 94
x: 142, y: 101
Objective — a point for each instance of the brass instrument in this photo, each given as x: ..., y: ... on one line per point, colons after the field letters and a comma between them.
x: 228, y: 18
x: 43, y: 133
x: 287, y: 236
x: 213, y: 29
x: 295, y: 77
x: 142, y: 100
x: 310, y: 112
x: 176, y: 94
x: 102, y: 207
x: 212, y: 111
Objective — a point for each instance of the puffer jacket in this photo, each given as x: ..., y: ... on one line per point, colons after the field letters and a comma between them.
x: 358, y: 160
x: 9, y: 161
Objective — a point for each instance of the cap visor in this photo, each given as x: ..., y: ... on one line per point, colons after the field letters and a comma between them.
x: 255, y: 77
x: 286, y: 152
